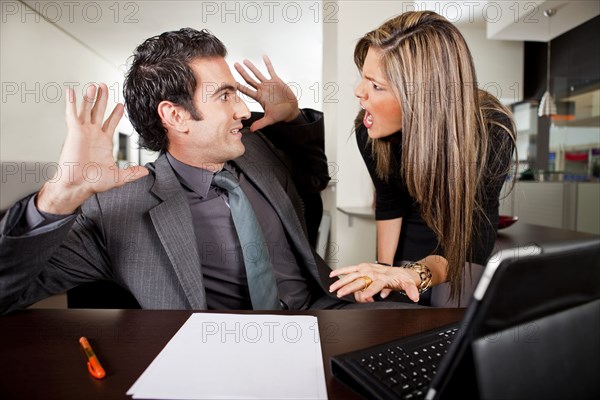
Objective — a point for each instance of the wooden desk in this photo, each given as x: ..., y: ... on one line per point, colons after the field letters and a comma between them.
x: 40, y: 356
x: 522, y: 234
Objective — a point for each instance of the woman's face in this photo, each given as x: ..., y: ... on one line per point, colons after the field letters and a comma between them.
x: 383, y: 115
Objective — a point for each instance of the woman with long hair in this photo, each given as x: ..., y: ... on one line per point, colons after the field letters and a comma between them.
x: 438, y: 150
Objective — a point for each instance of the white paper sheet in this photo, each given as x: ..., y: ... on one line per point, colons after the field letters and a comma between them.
x: 235, y: 356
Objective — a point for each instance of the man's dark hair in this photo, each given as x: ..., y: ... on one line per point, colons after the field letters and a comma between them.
x: 160, y: 71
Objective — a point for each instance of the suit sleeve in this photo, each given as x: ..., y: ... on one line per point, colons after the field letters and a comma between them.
x: 38, y: 263
x: 303, y: 145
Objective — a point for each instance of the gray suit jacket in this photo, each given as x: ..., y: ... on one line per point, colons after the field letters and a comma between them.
x: 141, y: 237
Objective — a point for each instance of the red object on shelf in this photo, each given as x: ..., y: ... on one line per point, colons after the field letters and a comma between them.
x: 576, y: 156
x: 563, y: 117
x: 504, y: 221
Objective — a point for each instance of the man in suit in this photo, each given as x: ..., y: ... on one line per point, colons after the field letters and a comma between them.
x: 165, y: 231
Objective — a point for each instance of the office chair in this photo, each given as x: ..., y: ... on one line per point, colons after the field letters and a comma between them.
x: 101, y: 294
x: 313, y: 213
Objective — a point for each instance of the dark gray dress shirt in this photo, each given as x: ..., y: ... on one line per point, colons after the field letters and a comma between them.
x: 219, y: 247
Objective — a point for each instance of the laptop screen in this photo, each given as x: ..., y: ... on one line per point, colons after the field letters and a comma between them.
x: 530, y: 331
x: 533, y: 321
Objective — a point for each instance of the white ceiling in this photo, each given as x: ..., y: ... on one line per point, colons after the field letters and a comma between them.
x: 112, y: 29
x: 522, y: 20
x: 525, y: 20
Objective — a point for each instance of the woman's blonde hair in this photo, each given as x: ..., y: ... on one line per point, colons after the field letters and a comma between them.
x: 445, y: 139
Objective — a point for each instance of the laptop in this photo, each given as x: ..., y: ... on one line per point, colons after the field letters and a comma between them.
x: 531, y: 330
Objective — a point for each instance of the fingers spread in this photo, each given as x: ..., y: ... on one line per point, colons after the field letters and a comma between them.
x: 70, y: 106
x: 87, y: 103
x: 253, y: 94
x: 255, y: 71
x: 269, y: 65
x: 100, y: 104
x: 249, y: 80
x: 113, y: 119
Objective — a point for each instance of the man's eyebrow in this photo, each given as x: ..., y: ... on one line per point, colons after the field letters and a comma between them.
x: 225, y: 87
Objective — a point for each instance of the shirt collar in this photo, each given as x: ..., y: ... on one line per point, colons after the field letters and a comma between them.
x: 196, y: 179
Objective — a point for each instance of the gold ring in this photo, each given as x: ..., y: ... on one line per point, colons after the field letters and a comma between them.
x: 367, y: 280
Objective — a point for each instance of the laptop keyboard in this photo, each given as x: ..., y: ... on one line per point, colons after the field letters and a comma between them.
x: 407, y: 367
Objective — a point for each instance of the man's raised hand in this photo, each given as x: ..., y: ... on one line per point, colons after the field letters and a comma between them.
x: 86, y: 164
x: 273, y: 94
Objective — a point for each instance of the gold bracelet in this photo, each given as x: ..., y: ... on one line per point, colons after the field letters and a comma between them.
x: 424, y: 273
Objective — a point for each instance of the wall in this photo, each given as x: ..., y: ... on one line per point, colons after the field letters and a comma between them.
x: 91, y: 41
x: 499, y: 63
x: 562, y: 205
x: 38, y: 62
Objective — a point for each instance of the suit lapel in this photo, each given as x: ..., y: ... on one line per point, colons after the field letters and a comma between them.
x: 172, y: 220
x: 264, y: 178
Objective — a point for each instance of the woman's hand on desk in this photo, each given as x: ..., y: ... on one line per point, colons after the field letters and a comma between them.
x: 366, y: 280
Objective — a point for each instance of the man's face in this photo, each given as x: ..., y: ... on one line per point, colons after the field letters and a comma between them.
x: 216, y: 138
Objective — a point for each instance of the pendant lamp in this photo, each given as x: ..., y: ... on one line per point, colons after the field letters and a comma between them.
x: 547, y: 104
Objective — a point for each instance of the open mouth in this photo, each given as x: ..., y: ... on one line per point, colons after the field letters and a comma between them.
x: 368, y: 119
